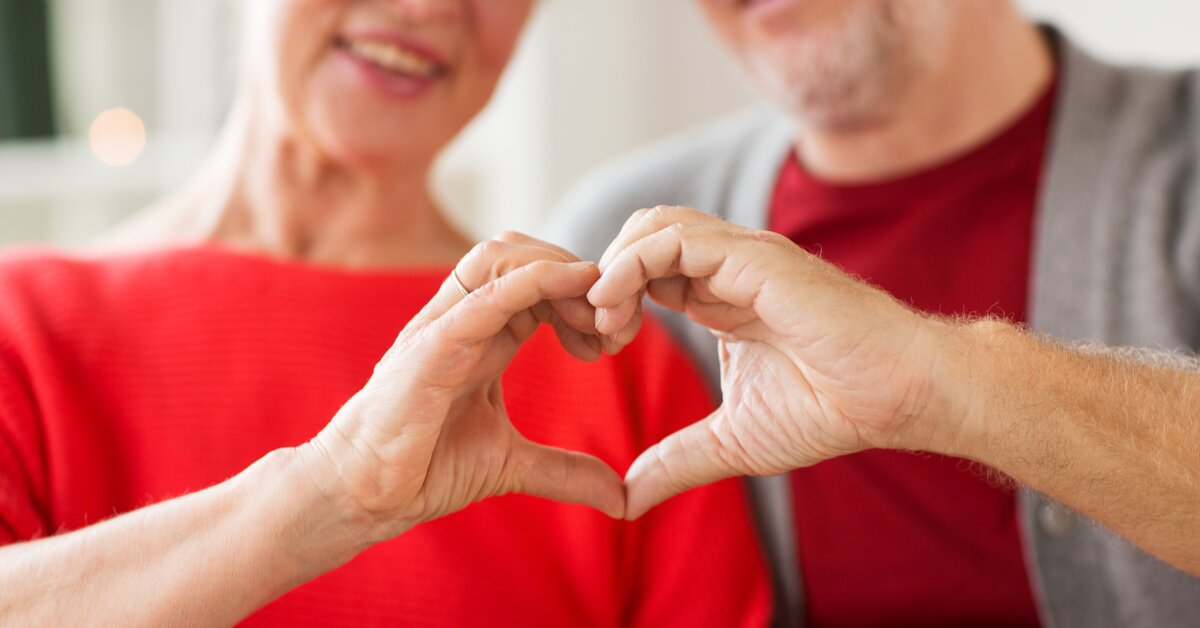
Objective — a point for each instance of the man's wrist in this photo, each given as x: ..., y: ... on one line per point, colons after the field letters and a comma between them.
x: 962, y: 365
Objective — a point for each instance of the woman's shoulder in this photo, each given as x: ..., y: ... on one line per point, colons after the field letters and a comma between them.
x: 43, y: 294
x: 51, y: 292
x: 40, y: 264
x: 26, y: 261
x: 31, y: 275
x: 50, y: 278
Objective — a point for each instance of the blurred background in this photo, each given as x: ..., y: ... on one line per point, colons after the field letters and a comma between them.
x: 104, y: 104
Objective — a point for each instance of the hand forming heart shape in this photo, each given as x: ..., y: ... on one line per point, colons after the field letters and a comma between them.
x: 814, y: 364
x: 429, y: 434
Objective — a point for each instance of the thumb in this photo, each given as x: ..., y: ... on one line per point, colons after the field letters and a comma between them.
x: 567, y: 476
x: 693, y: 456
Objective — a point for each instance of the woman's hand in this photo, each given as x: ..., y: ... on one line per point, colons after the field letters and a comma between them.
x: 813, y: 363
x: 425, y: 437
x: 429, y: 434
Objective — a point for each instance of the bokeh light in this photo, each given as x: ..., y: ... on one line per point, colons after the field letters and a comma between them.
x: 118, y: 137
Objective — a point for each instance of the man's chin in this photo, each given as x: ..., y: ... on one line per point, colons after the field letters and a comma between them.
x: 820, y: 96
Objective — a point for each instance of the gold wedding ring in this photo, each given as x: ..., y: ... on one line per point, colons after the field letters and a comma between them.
x: 458, y: 282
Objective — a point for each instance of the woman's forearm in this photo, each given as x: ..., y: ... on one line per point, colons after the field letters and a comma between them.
x: 208, y: 558
x: 425, y: 437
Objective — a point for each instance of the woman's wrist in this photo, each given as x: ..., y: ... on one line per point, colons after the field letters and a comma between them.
x: 305, y: 531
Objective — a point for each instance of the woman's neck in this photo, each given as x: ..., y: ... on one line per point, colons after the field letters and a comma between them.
x: 263, y: 190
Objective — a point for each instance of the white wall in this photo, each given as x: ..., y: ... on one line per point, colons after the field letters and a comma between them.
x: 596, y: 78
x: 1145, y: 31
x: 166, y: 60
x: 593, y: 79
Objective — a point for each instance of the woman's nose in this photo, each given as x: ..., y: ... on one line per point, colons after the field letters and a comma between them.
x: 421, y: 10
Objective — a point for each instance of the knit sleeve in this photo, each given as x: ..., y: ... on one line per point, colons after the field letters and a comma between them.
x: 21, y: 517
x: 22, y: 475
x: 699, y: 561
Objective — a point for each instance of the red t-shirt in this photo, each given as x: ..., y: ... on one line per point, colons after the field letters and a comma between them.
x: 128, y: 380
x: 893, y: 538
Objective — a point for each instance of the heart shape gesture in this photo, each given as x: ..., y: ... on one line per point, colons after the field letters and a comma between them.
x: 429, y: 434
x: 813, y: 363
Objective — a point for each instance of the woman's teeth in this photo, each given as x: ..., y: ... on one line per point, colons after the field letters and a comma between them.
x: 393, y: 58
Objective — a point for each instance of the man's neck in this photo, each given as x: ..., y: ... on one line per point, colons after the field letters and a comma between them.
x: 997, y: 67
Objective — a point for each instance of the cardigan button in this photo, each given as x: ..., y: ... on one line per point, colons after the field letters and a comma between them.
x: 1055, y: 520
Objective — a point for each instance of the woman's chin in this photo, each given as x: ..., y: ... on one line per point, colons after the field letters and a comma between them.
x: 355, y: 128
x: 359, y: 149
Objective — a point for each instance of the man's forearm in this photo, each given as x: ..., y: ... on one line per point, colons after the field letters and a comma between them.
x: 209, y: 558
x: 1113, y: 433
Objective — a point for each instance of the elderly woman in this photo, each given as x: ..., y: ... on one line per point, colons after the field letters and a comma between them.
x: 190, y: 374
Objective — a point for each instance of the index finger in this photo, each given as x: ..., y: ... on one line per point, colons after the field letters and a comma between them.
x: 672, y: 251
x: 488, y: 310
x: 485, y: 262
x: 644, y: 222
x: 732, y: 261
x: 516, y: 237
x: 577, y: 312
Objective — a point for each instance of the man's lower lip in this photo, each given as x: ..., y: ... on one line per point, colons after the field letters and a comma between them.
x: 401, y: 85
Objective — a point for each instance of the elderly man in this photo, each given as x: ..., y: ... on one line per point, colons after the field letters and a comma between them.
x: 969, y: 163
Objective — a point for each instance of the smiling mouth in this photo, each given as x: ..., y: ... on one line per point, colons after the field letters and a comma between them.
x: 392, y: 58
x: 753, y: 4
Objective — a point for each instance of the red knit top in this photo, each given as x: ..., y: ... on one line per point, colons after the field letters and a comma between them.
x: 902, y: 539
x: 132, y: 379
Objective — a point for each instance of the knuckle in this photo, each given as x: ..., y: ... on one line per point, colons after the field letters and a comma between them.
x: 481, y: 255
x: 770, y: 237
x: 660, y: 213
x: 510, y: 235
x: 677, y: 228
x: 540, y: 266
x: 489, y: 249
x: 499, y: 259
x: 760, y: 237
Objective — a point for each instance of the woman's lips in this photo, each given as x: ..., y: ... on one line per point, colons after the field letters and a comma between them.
x: 391, y: 62
x: 765, y: 8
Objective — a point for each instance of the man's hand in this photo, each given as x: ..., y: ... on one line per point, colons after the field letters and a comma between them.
x: 813, y: 363
x: 429, y: 434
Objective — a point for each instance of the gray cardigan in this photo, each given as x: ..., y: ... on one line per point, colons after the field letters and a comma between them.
x: 1116, y: 260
